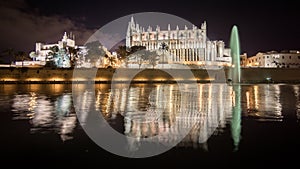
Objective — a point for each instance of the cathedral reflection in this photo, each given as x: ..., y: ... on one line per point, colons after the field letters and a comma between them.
x: 151, y: 111
x: 154, y: 110
x: 158, y: 113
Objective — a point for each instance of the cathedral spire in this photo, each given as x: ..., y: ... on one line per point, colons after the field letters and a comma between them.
x: 137, y: 28
x: 157, y: 28
x: 132, y: 24
x: 185, y: 27
x: 132, y: 20
x: 65, y: 37
x: 128, y: 34
x: 169, y: 27
x: 149, y: 29
x: 203, y: 25
x: 194, y: 27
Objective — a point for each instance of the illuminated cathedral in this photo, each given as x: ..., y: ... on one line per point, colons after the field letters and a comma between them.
x: 187, y: 46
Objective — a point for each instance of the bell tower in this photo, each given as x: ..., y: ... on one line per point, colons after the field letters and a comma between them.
x: 130, y: 29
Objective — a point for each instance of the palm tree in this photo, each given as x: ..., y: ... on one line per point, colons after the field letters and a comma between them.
x: 164, y: 47
x: 20, y: 55
x: 33, y: 55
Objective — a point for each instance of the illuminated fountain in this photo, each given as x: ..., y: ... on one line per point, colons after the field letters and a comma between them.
x: 235, y: 71
x: 235, y: 76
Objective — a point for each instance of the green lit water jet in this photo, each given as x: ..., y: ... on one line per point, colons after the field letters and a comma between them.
x: 235, y: 71
x: 235, y: 76
x: 236, y: 117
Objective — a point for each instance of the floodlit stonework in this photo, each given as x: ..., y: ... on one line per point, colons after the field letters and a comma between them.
x: 181, y: 46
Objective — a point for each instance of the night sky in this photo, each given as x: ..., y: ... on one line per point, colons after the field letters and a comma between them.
x: 263, y: 26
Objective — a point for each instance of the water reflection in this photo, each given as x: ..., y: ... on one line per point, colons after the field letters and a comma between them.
x: 236, y: 116
x: 153, y: 110
x: 150, y: 111
x: 263, y: 102
x: 44, y: 114
x: 297, y: 95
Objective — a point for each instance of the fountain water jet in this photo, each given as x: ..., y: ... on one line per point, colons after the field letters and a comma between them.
x: 235, y: 71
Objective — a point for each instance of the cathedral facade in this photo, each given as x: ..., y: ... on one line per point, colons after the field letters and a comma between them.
x: 190, y: 46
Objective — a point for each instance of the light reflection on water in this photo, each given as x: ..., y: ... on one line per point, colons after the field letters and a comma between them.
x: 44, y: 114
x: 297, y: 95
x: 147, y: 110
x: 263, y: 102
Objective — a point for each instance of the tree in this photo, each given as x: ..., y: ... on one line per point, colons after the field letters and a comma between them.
x: 54, y: 49
x: 52, y: 54
x: 140, y: 55
x: 21, y: 55
x: 151, y: 56
x: 134, y: 49
x: 164, y: 47
x: 139, y: 52
x: 153, y: 59
x: 94, y: 51
x: 33, y: 55
x: 73, y: 52
x: 122, y: 52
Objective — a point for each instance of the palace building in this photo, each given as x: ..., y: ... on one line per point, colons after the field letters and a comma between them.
x: 187, y: 46
x: 43, y: 50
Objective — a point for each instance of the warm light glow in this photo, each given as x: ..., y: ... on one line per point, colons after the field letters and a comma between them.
x: 98, y: 79
x: 79, y: 79
x: 248, y: 99
x: 57, y: 79
x: 32, y: 104
x: 141, y: 79
x: 34, y: 87
x: 210, y: 79
x: 256, y: 97
x: 9, y: 79
x: 57, y: 88
x: 33, y: 79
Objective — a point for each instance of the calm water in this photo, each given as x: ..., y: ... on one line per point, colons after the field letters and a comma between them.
x: 40, y: 125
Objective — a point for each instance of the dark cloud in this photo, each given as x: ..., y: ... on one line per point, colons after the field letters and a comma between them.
x: 263, y: 26
x: 22, y: 26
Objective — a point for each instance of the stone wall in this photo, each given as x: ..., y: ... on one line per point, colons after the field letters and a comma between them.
x: 278, y: 75
x: 49, y: 75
